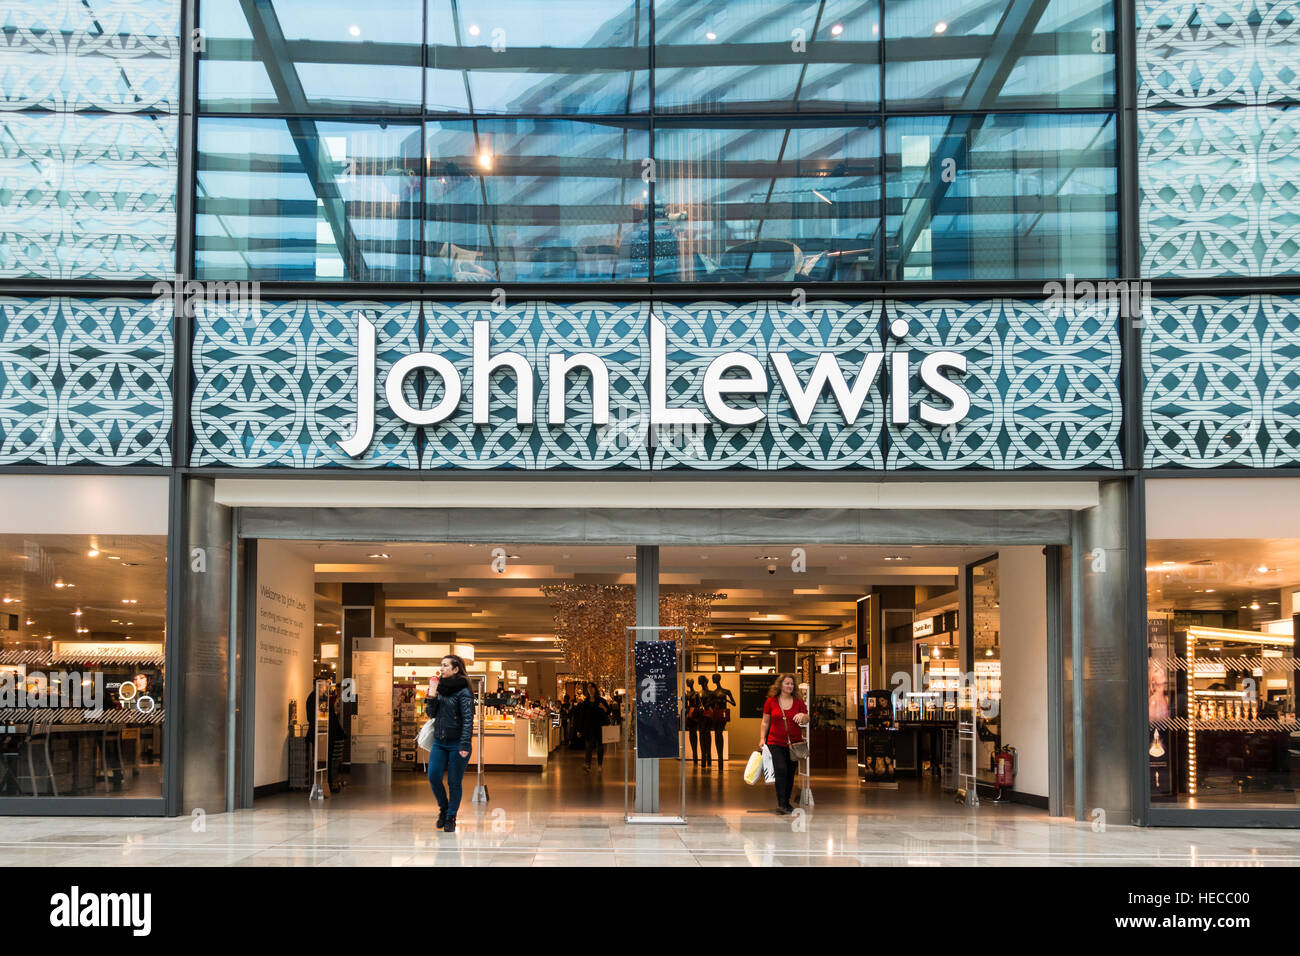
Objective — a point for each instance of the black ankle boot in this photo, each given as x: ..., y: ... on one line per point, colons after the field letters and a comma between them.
x: 442, y: 819
x: 451, y: 825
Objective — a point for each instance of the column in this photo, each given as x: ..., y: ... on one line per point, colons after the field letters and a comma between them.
x: 1102, y: 683
x: 203, y: 651
x: 647, y: 615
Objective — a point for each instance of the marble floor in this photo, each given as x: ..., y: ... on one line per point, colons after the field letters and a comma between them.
x: 570, y: 818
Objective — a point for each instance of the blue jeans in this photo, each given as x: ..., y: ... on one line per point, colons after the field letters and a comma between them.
x: 446, y: 758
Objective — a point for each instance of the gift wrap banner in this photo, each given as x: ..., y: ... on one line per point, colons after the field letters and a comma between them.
x: 658, y: 725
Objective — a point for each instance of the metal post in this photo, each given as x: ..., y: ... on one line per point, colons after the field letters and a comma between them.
x: 680, y: 819
x: 647, y: 620
x: 480, y: 789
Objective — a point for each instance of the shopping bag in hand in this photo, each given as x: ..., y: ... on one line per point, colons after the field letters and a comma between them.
x: 424, y: 739
x: 754, y: 767
x: 769, y: 771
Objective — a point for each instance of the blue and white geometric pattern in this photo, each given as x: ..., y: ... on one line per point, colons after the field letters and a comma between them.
x: 85, y: 381
x: 614, y: 331
x: 275, y: 387
x: 275, y: 383
x: 87, y: 195
x: 1043, y: 381
x: 88, y: 138
x: 1216, y: 52
x: 1222, y: 382
x: 699, y: 332
x: 118, y: 56
x: 1220, y: 191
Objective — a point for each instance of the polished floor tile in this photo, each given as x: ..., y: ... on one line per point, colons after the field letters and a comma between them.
x: 566, y: 818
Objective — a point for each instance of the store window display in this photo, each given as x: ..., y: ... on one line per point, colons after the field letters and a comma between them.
x: 82, y: 681
x: 1222, y: 671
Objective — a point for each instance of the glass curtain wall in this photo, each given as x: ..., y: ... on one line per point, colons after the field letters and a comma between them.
x: 669, y: 141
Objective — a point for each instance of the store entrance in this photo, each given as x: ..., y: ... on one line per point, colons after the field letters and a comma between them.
x: 929, y: 636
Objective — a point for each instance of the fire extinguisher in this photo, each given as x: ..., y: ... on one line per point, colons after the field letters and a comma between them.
x: 1005, y: 764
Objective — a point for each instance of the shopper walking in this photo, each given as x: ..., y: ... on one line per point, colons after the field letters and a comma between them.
x: 452, y: 711
x: 784, y: 717
x: 593, y: 714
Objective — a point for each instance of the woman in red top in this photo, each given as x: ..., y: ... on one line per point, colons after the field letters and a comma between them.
x: 784, y: 717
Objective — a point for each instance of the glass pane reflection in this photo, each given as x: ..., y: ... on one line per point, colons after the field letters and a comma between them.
x: 302, y: 56
x: 1000, y: 196
x: 535, y: 200
x: 766, y: 55
x: 972, y: 55
x: 562, y: 56
x: 305, y: 200
x: 745, y: 202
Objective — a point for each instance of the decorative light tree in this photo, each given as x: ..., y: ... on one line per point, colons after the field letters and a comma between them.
x: 591, y: 622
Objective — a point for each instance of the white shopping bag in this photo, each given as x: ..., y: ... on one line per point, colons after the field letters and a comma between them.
x: 424, y: 739
x: 769, y: 772
x: 753, y: 767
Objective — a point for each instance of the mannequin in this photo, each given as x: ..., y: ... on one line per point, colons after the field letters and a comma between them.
x: 704, y: 723
x: 691, y: 701
x: 722, y: 700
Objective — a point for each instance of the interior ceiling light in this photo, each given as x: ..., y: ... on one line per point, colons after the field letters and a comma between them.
x: 473, y: 29
x: 896, y: 557
x: 1254, y: 605
x: 710, y: 36
x: 9, y: 600
x: 92, y: 553
x: 837, y: 29
x: 354, y: 30
x: 114, y: 557
x: 940, y: 27
x: 377, y: 555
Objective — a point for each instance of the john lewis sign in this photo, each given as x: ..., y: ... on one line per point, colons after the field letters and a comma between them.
x: 734, y: 389
x: 992, y: 384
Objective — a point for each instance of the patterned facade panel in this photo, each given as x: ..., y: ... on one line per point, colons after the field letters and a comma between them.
x: 1222, y: 382
x: 1218, y: 52
x: 119, y: 56
x: 85, y: 382
x: 700, y: 332
x: 1220, y: 192
x: 615, y: 332
x: 275, y: 386
x: 275, y: 383
x: 87, y: 196
x: 1043, y: 381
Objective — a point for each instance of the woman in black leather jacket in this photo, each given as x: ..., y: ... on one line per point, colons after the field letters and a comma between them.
x: 452, y: 712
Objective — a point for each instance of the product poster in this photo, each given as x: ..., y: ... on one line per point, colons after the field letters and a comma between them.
x: 657, y: 720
